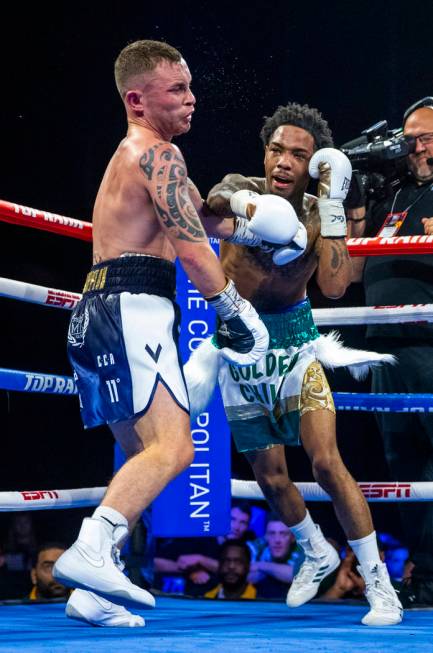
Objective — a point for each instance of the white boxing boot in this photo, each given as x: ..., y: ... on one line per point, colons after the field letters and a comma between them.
x: 321, y: 559
x: 385, y: 608
x: 93, y: 609
x: 92, y: 563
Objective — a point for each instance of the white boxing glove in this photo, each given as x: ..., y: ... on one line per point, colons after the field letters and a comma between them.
x: 297, y: 247
x: 334, y: 171
x: 274, y: 222
x: 240, y: 202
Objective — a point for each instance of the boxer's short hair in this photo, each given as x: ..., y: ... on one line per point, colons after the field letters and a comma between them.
x: 141, y: 57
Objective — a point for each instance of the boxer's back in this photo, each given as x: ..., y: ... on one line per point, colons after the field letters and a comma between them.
x: 124, y: 219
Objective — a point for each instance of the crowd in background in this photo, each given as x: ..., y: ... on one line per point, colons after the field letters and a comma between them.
x: 257, y: 559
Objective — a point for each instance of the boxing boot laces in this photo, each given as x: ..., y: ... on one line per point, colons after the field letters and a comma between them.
x: 385, y: 608
x: 321, y: 559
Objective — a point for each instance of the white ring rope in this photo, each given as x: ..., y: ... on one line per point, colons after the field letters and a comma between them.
x: 47, y: 499
x: 354, y: 315
x: 358, y: 315
x: 29, y: 292
x: 374, y: 491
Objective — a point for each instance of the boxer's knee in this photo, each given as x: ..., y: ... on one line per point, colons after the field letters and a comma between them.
x: 185, y: 456
x: 273, y: 484
x: 328, y: 469
x: 171, y: 451
x: 179, y: 456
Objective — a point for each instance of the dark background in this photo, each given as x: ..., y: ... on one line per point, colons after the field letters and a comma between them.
x: 61, y: 121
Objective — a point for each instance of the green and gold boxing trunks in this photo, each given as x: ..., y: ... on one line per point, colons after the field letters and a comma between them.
x: 264, y: 402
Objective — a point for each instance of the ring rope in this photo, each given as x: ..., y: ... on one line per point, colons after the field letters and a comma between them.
x: 394, y: 245
x: 29, y: 292
x: 22, y: 381
x: 374, y: 491
x: 383, y: 403
x: 345, y: 316
x: 58, y: 224
x: 44, y: 220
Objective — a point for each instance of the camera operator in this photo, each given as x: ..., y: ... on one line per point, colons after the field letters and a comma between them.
x: 396, y: 280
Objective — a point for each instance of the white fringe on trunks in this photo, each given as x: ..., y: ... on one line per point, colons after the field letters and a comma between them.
x: 201, y: 370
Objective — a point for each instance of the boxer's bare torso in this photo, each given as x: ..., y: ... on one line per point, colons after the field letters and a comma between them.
x: 124, y: 218
x: 267, y: 286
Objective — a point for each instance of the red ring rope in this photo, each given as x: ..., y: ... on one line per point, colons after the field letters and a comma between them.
x: 58, y: 224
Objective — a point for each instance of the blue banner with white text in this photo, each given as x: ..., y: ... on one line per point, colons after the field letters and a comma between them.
x: 197, y: 502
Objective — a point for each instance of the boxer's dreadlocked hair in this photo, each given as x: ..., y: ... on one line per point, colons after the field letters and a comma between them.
x: 302, y: 116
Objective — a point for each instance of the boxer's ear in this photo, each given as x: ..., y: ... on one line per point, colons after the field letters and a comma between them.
x: 134, y: 99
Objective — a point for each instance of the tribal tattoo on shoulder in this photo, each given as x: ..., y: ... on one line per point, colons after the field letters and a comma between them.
x: 166, y: 171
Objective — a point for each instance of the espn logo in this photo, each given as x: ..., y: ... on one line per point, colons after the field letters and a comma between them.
x: 385, y: 490
x: 64, y: 299
x: 37, y: 495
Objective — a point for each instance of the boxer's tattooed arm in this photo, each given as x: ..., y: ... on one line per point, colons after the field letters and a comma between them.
x: 339, y: 256
x: 147, y: 161
x: 192, y: 188
x: 332, y: 253
x: 195, y: 197
x: 166, y: 173
x: 334, y: 269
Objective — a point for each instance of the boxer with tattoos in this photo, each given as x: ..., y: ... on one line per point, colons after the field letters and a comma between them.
x: 283, y: 236
x: 123, y: 334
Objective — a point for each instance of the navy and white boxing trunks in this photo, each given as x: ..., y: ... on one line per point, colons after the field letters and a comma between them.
x: 123, y: 339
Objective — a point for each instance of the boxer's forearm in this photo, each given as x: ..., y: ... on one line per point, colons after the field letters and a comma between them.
x: 333, y: 170
x: 202, y: 267
x: 356, y: 223
x: 334, y: 271
x: 217, y: 226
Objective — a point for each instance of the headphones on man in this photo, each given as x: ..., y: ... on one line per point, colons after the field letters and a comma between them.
x: 425, y: 102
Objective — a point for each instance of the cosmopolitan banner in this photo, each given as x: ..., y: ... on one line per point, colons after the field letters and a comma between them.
x: 198, y: 501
